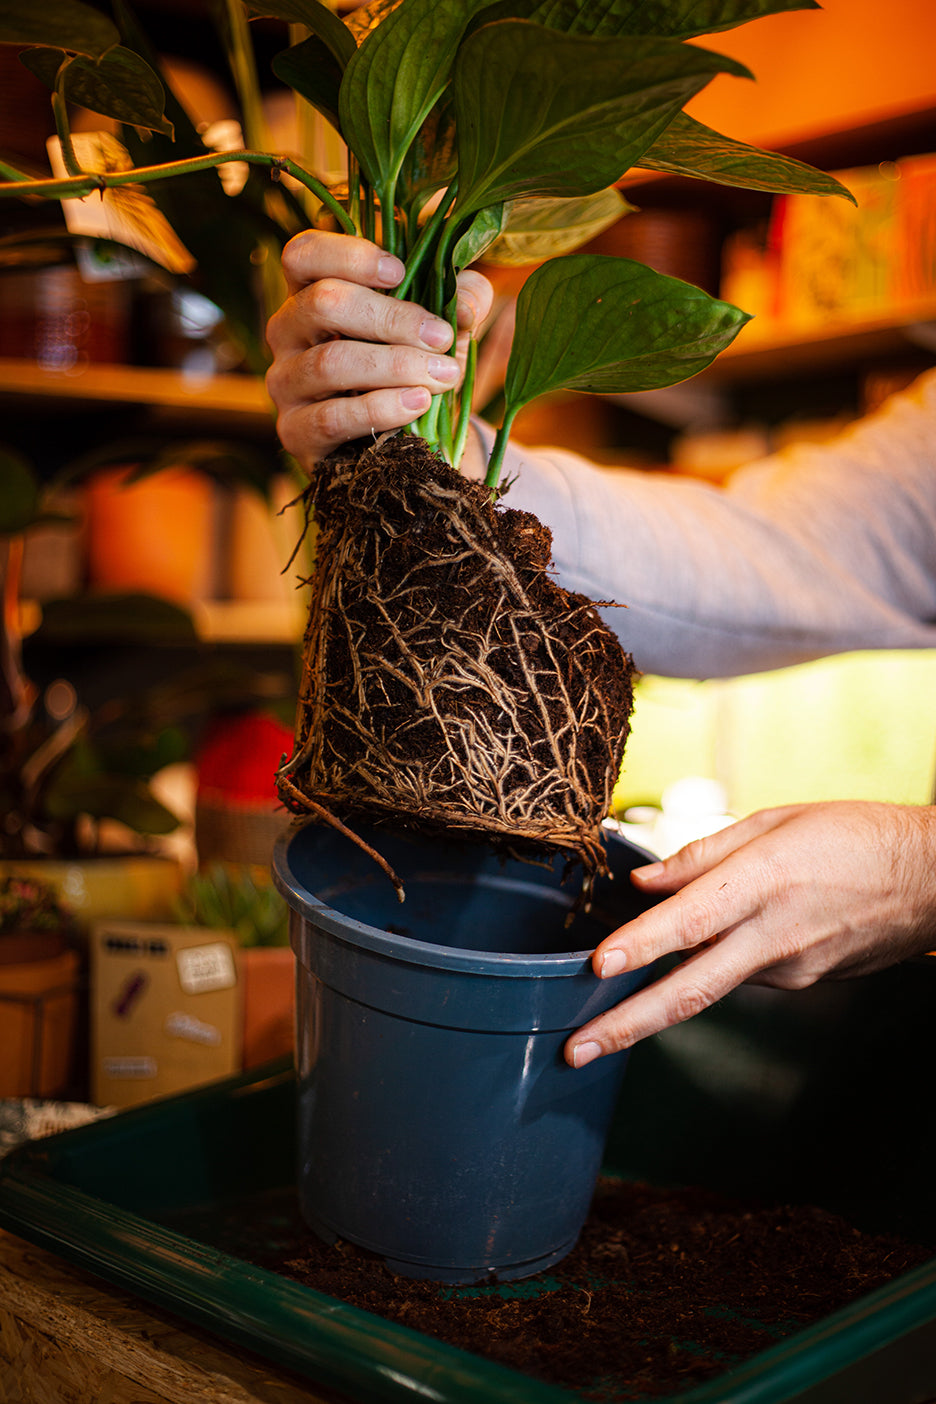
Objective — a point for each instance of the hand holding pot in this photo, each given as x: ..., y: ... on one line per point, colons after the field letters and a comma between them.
x: 348, y: 360
x: 785, y: 898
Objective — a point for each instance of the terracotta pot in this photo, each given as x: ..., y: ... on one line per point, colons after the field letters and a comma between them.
x: 156, y: 535
x: 269, y: 978
x: 38, y: 1025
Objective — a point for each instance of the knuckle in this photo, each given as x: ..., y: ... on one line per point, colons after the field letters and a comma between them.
x: 686, y: 1001
x: 324, y: 301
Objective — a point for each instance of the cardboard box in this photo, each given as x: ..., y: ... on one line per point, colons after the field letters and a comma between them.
x: 166, y: 1009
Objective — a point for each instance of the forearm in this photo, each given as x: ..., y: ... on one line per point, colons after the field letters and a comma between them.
x: 825, y: 551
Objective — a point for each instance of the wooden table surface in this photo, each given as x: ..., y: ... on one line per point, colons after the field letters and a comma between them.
x: 67, y: 1337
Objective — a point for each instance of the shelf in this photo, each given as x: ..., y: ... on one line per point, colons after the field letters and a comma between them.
x: 241, y: 399
x: 250, y: 621
x: 221, y: 621
x: 763, y: 350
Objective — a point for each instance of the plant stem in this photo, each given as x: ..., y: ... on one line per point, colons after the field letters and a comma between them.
x: 496, y: 461
x: 467, y: 391
x: 425, y: 242
x: 76, y: 186
x: 60, y: 112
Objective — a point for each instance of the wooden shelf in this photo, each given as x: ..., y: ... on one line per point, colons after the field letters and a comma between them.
x: 240, y: 399
x: 763, y: 350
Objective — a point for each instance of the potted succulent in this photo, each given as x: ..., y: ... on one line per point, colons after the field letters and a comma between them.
x: 450, y: 687
x: 68, y: 765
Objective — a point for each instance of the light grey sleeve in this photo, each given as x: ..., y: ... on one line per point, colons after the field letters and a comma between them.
x: 822, y: 549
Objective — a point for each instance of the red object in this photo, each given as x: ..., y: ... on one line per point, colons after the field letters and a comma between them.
x: 239, y: 758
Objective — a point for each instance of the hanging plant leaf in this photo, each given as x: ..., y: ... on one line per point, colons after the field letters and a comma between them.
x: 609, y: 325
x: 537, y: 115
x: 543, y: 228
x: 675, y: 19
x: 61, y: 24
x: 394, y: 80
x: 317, y: 18
x: 688, y: 148
x: 120, y: 85
x: 310, y: 68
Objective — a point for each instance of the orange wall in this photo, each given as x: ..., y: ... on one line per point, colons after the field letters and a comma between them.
x: 817, y: 71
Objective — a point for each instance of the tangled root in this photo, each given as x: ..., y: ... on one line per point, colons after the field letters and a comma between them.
x: 449, y: 684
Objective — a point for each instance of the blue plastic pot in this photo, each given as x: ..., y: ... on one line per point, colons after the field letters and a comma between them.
x: 439, y: 1125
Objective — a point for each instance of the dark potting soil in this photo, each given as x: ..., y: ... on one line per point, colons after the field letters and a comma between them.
x: 665, y: 1289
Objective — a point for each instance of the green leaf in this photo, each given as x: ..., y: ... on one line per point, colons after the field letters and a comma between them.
x: 58, y: 24
x: 317, y: 18
x: 394, y: 80
x: 19, y: 493
x: 127, y: 618
x: 484, y: 229
x: 310, y: 69
x: 541, y: 114
x: 542, y: 228
x: 430, y: 162
x: 609, y: 325
x: 675, y: 19
x: 121, y: 85
x: 688, y: 148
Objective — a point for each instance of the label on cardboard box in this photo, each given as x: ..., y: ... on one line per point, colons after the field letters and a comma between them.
x: 166, y: 1009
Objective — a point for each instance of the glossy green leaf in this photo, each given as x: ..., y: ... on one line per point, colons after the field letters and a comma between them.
x: 121, y: 85
x: 541, y: 114
x: 543, y: 228
x: 317, y: 18
x: 394, y: 80
x: 609, y: 325
x: 688, y: 148
x: 430, y: 162
x: 19, y: 493
x: 675, y: 19
x: 59, y: 24
x: 310, y: 69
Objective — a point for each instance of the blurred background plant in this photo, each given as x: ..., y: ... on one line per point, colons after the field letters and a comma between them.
x: 68, y: 762
x: 238, y: 898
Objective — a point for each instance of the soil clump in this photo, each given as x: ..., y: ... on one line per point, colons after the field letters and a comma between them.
x: 449, y: 683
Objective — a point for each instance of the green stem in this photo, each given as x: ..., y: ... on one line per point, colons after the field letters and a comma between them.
x: 76, y: 186
x: 425, y: 242
x: 467, y: 391
x: 11, y: 173
x: 496, y: 461
x: 60, y: 112
x: 243, y: 65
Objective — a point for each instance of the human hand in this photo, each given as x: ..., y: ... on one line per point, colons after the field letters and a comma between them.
x: 783, y: 898
x: 348, y: 360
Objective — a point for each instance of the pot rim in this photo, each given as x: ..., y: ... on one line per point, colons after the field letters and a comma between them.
x: 408, y: 949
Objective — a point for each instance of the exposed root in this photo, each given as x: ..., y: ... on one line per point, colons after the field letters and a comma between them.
x: 448, y: 683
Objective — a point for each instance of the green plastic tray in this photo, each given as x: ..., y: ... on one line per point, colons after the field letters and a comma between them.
x: 816, y: 1097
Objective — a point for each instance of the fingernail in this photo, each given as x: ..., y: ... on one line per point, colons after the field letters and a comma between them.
x: 648, y: 873
x: 614, y: 963
x: 390, y: 270
x: 584, y: 1053
x: 415, y: 399
x: 443, y: 368
x: 434, y: 332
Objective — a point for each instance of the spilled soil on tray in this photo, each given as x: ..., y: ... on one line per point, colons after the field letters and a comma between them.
x: 665, y: 1289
